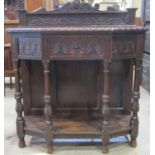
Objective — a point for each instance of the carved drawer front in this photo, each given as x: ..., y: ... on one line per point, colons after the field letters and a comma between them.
x: 124, y: 46
x: 76, y: 46
x: 30, y: 47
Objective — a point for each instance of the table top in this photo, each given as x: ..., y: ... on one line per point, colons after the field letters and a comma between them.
x: 107, y: 28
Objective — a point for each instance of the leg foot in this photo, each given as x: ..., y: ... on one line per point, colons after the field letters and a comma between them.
x: 133, y: 142
x: 21, y: 143
x: 105, y: 149
x: 49, y: 148
x: 105, y: 141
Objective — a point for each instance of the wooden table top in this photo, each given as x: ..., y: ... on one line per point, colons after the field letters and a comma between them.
x: 107, y: 28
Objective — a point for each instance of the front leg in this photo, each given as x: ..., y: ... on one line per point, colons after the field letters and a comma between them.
x: 48, y: 108
x: 134, y: 122
x: 105, y: 106
x: 19, y: 106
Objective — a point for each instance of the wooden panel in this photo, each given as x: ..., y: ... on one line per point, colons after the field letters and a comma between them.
x: 32, y: 79
x: 75, y: 89
x: 100, y: 18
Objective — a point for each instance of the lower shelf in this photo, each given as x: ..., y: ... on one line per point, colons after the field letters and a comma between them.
x: 72, y: 128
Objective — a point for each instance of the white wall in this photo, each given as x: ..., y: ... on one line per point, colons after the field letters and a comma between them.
x: 137, y: 4
x: 130, y: 4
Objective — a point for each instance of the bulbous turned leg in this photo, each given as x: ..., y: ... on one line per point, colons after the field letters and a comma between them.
x: 134, y: 122
x: 20, y: 122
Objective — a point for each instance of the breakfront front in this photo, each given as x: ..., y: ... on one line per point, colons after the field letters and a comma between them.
x: 77, y: 72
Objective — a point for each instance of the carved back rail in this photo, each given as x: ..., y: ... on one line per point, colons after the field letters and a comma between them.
x: 75, y: 13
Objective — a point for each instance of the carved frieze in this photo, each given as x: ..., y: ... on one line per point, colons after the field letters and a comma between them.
x: 78, y: 46
x: 29, y: 47
x: 92, y: 19
x: 123, y: 45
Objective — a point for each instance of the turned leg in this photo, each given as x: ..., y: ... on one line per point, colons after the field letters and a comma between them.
x: 105, y: 106
x: 19, y: 105
x: 48, y: 108
x: 135, y: 105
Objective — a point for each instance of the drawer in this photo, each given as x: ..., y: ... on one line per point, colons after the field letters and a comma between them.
x: 76, y: 46
x: 124, y: 46
x: 30, y: 47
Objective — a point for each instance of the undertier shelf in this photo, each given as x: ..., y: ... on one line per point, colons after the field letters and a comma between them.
x: 73, y: 128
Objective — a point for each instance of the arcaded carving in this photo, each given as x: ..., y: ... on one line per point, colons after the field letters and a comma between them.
x: 80, y: 46
x: 76, y: 20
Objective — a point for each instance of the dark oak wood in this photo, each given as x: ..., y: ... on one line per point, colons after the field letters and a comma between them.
x: 48, y: 107
x: 105, y: 107
x: 135, y: 105
x: 77, y: 128
x: 77, y: 78
x: 19, y: 106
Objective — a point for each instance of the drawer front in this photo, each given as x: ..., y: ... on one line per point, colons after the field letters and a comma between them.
x: 124, y: 46
x: 29, y: 47
x: 76, y: 46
